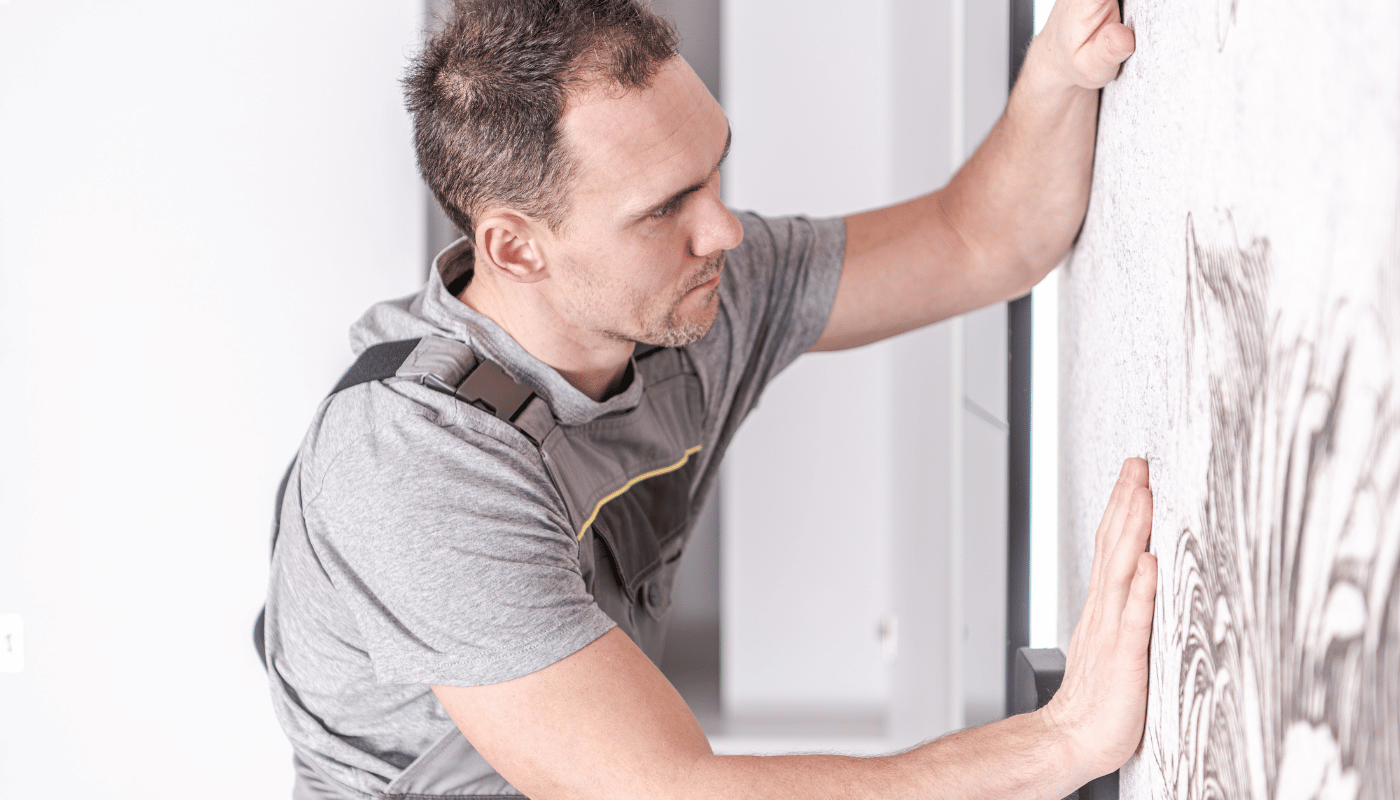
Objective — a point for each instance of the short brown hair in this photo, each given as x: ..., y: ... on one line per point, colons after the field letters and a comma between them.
x: 489, y: 90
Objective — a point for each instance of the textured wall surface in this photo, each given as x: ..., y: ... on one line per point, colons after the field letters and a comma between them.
x: 1232, y: 313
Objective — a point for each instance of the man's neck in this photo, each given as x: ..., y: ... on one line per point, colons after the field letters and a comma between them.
x: 599, y: 371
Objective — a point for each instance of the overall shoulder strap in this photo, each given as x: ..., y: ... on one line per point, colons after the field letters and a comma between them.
x: 377, y: 363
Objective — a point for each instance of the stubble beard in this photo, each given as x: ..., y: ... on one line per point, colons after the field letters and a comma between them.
x: 674, y: 329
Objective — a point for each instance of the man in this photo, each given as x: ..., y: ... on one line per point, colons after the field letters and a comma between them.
x: 477, y: 541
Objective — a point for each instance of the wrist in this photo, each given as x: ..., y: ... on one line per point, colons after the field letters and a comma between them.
x: 1063, y: 746
x: 1047, y: 77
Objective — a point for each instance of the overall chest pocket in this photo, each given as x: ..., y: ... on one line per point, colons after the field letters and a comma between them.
x: 642, y: 532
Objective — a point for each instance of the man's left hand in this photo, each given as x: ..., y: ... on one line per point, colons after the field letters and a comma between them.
x: 1086, y: 42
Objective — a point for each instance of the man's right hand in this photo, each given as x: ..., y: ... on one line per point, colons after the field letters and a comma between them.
x: 1101, y: 706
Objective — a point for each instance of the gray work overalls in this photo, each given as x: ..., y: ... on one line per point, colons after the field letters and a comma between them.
x: 628, y: 481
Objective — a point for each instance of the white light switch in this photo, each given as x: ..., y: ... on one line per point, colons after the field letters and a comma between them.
x: 11, y: 643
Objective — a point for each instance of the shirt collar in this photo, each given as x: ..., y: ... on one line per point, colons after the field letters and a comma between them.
x: 459, y: 321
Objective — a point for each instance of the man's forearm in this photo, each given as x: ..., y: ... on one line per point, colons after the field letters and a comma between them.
x: 1022, y: 757
x: 1020, y: 199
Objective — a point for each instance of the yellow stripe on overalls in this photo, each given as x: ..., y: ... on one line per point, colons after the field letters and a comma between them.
x: 662, y: 471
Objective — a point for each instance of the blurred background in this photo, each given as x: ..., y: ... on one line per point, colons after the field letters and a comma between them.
x: 197, y: 200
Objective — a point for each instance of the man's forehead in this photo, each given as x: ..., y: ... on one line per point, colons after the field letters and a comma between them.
x: 639, y: 141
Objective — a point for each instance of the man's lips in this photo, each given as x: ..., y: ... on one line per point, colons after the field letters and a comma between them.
x: 711, y: 282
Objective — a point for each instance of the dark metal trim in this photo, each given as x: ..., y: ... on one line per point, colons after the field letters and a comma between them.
x: 1022, y: 30
x: 1018, y: 410
x: 1018, y: 485
x: 1038, y: 676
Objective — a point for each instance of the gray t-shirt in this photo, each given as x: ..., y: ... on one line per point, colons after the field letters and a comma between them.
x: 422, y: 542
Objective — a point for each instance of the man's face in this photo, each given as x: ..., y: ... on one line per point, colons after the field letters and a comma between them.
x: 640, y: 255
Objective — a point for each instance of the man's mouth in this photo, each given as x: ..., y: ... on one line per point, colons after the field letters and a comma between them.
x: 713, y: 280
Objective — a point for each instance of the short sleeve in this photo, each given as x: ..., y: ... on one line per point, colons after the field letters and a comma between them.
x: 452, y: 553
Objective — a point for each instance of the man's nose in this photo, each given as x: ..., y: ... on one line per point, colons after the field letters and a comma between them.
x: 718, y: 229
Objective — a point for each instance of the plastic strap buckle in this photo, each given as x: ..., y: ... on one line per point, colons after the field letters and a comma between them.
x: 489, y: 388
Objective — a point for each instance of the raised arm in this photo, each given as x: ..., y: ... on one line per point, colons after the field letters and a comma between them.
x: 605, y: 723
x: 1012, y: 211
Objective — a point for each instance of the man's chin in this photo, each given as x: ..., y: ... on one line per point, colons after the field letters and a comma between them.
x: 680, y: 331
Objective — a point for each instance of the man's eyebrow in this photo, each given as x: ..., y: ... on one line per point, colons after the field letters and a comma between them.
x: 728, y: 140
x: 693, y: 188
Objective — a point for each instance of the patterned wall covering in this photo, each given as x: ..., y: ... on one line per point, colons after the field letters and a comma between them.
x: 1232, y: 313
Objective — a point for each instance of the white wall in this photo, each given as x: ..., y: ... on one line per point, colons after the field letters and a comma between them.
x: 983, y: 404
x: 846, y: 495
x: 196, y: 200
x: 806, y: 509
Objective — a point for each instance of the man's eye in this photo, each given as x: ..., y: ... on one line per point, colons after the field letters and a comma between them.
x: 666, y: 210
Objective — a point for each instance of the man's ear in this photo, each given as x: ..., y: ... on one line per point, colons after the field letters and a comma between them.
x: 509, y: 245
